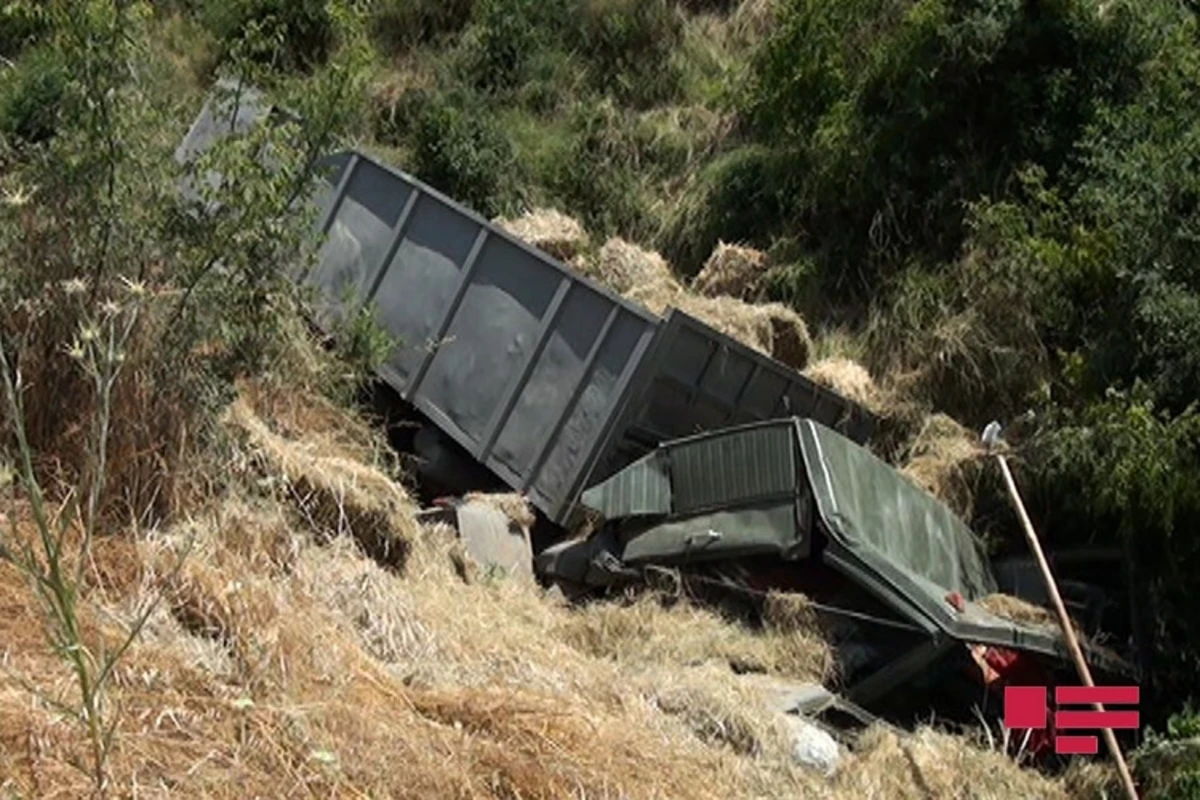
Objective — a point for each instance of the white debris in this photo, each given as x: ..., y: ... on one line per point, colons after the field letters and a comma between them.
x: 813, y: 747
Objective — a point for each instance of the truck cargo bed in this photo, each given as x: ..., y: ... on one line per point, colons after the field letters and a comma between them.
x: 550, y: 380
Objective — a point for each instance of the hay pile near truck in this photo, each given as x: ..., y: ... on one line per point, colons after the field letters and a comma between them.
x: 285, y: 662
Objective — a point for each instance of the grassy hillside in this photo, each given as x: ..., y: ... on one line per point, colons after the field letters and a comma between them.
x: 952, y: 211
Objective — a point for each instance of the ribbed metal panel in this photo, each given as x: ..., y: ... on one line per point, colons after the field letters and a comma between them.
x: 642, y: 488
x: 736, y: 467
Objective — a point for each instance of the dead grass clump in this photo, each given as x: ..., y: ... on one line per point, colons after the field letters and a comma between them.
x: 624, y: 267
x: 945, y: 459
x: 770, y: 328
x: 718, y: 710
x: 930, y: 764
x: 753, y: 20
x: 732, y: 270
x: 548, y: 230
x: 851, y: 380
x: 367, y: 601
x: 646, y: 278
x: 648, y: 632
x: 1015, y: 609
x: 335, y: 494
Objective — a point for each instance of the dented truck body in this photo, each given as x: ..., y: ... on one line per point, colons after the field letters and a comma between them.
x: 792, y: 505
x: 548, y: 379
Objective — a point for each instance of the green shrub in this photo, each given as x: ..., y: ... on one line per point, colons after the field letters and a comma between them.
x: 295, y: 34
x: 31, y: 96
x: 460, y: 150
x: 737, y: 197
x: 903, y: 113
x: 19, y: 27
x: 504, y: 35
x: 400, y: 24
x: 628, y: 45
x: 598, y: 177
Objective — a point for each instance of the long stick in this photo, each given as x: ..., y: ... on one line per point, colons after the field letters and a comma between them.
x: 1085, y: 674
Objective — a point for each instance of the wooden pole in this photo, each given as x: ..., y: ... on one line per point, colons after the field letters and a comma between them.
x: 1081, y: 666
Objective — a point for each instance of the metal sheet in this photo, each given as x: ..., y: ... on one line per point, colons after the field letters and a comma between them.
x: 491, y: 539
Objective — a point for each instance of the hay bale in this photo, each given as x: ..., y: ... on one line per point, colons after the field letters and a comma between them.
x: 945, y: 459
x: 849, y: 379
x: 548, y: 230
x: 732, y: 270
x: 624, y: 267
x: 772, y: 329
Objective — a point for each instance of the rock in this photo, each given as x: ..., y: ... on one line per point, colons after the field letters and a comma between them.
x: 813, y: 747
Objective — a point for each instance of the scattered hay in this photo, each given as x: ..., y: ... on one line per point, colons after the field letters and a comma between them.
x: 945, y: 459
x: 548, y: 230
x: 718, y: 710
x: 1022, y: 612
x: 772, y: 329
x: 931, y: 764
x: 284, y: 664
x: 647, y: 631
x: 732, y: 270
x: 334, y: 493
x: 851, y: 380
x: 1017, y: 610
x: 646, y: 278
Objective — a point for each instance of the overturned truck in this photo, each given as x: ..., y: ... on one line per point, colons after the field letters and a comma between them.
x: 700, y: 459
x: 792, y: 505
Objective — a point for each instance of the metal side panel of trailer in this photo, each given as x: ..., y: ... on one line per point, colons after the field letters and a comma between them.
x: 698, y: 379
x: 520, y: 360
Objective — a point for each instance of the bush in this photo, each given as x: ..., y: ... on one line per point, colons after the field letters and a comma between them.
x: 628, y: 44
x: 400, y: 24
x: 460, y: 150
x: 285, y: 34
x: 598, y: 177
x: 504, y: 35
x: 31, y: 95
x: 901, y: 116
x: 19, y: 27
x: 737, y: 197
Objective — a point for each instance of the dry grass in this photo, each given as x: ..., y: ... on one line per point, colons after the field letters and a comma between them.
x: 936, y: 765
x: 649, y: 631
x: 623, y: 267
x: 1023, y: 612
x: 646, y: 278
x: 732, y: 270
x: 851, y: 380
x: 770, y: 328
x: 332, y: 489
x: 548, y: 230
x: 289, y: 663
x: 1017, y: 610
x: 945, y: 459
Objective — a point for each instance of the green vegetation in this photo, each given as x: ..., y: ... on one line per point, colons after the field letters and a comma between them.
x: 998, y: 201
